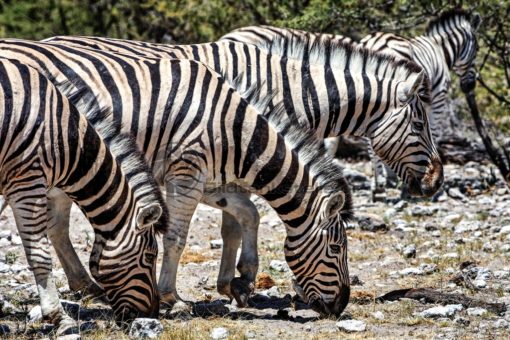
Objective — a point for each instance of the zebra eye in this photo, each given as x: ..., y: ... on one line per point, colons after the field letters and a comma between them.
x: 150, y: 257
x: 335, y: 248
x: 417, y: 126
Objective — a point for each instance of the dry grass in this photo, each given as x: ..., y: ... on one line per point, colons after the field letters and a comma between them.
x: 190, y: 256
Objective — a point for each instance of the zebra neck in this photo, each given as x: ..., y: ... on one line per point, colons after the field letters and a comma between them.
x: 451, y: 47
x: 95, y: 181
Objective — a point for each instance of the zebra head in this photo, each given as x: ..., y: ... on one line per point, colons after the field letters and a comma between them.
x: 402, y: 138
x: 125, y: 264
x: 456, y: 31
x: 318, y: 255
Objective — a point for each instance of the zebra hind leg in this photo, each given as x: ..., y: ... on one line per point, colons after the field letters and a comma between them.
x: 183, y: 196
x: 31, y: 220
x: 3, y: 204
x: 240, y: 219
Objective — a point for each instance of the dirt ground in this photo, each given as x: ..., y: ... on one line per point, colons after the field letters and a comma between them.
x: 469, y: 222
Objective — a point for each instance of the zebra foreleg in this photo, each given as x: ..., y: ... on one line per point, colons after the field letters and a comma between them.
x: 240, y: 219
x: 183, y: 196
x: 3, y: 204
x: 59, y: 209
x: 31, y: 220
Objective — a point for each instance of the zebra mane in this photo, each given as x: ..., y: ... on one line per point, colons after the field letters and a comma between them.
x: 337, y: 54
x: 310, y: 150
x: 445, y: 17
x: 122, y: 146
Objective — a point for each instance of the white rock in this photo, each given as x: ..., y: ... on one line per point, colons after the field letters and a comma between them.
x: 4, y: 268
x: 378, y: 315
x: 278, y: 265
x: 5, y: 233
x: 505, y: 230
x: 450, y: 219
x: 351, y: 325
x: 480, y: 283
x: 411, y: 271
x: 4, y: 242
x: 456, y: 194
x: 476, y: 311
x: 145, y: 328
x: 16, y: 268
x: 428, y: 268
x: 219, y: 333
x: 409, y: 251
x: 216, y: 244
x: 467, y: 226
x: 441, y: 311
x: 35, y: 314
x: 271, y: 292
x: 16, y: 240
x: 502, y: 274
x: 500, y: 323
x: 419, y: 210
x: 505, y: 248
x: 450, y: 256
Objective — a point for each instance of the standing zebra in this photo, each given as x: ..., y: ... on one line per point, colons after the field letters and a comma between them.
x: 331, y: 88
x: 47, y: 147
x: 199, y: 134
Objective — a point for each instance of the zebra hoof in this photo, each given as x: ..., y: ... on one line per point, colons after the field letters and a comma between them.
x: 67, y: 326
x: 94, y: 292
x: 168, y: 300
x: 241, y: 289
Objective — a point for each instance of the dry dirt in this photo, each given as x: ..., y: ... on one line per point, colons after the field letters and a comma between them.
x: 445, y: 234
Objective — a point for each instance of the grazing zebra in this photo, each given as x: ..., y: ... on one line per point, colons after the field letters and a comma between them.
x: 199, y: 134
x: 309, y: 78
x: 47, y: 147
x: 449, y: 43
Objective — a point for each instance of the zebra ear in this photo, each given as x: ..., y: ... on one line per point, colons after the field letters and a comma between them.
x: 476, y: 21
x: 149, y: 215
x: 409, y: 88
x: 334, y: 204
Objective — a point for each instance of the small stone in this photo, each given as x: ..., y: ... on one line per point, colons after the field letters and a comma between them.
x: 378, y: 315
x: 428, y: 268
x: 456, y: 194
x: 16, y: 268
x: 271, y: 292
x: 351, y: 325
x: 500, y: 323
x: 4, y: 268
x: 411, y: 271
x: 371, y: 222
x: 487, y: 247
x: 400, y: 205
x: 145, y: 328
x: 505, y: 248
x: 5, y: 234
x: 441, y: 311
x: 216, y: 244
x: 466, y: 226
x: 419, y: 210
x: 5, y: 330
x: 502, y: 274
x: 280, y: 266
x: 505, y: 230
x: 480, y: 283
x: 4, y: 242
x: 69, y: 337
x: 8, y: 308
x: 461, y: 321
x: 35, y: 314
x: 409, y: 251
x: 219, y: 333
x: 16, y: 240
x: 476, y: 311
x: 501, y: 191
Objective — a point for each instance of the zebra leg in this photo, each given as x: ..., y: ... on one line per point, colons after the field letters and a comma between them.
x: 240, y: 219
x: 183, y: 196
x: 380, y: 176
x: 59, y: 209
x: 3, y: 204
x: 31, y: 219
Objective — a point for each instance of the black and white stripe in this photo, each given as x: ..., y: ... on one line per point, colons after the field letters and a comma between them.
x: 46, y: 146
x: 197, y: 134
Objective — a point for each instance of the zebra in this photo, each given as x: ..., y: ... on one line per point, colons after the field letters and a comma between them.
x: 402, y: 71
x: 448, y: 44
x: 47, y: 147
x: 202, y: 135
x: 305, y: 61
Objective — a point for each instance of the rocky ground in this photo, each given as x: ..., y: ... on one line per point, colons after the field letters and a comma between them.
x: 457, y: 243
